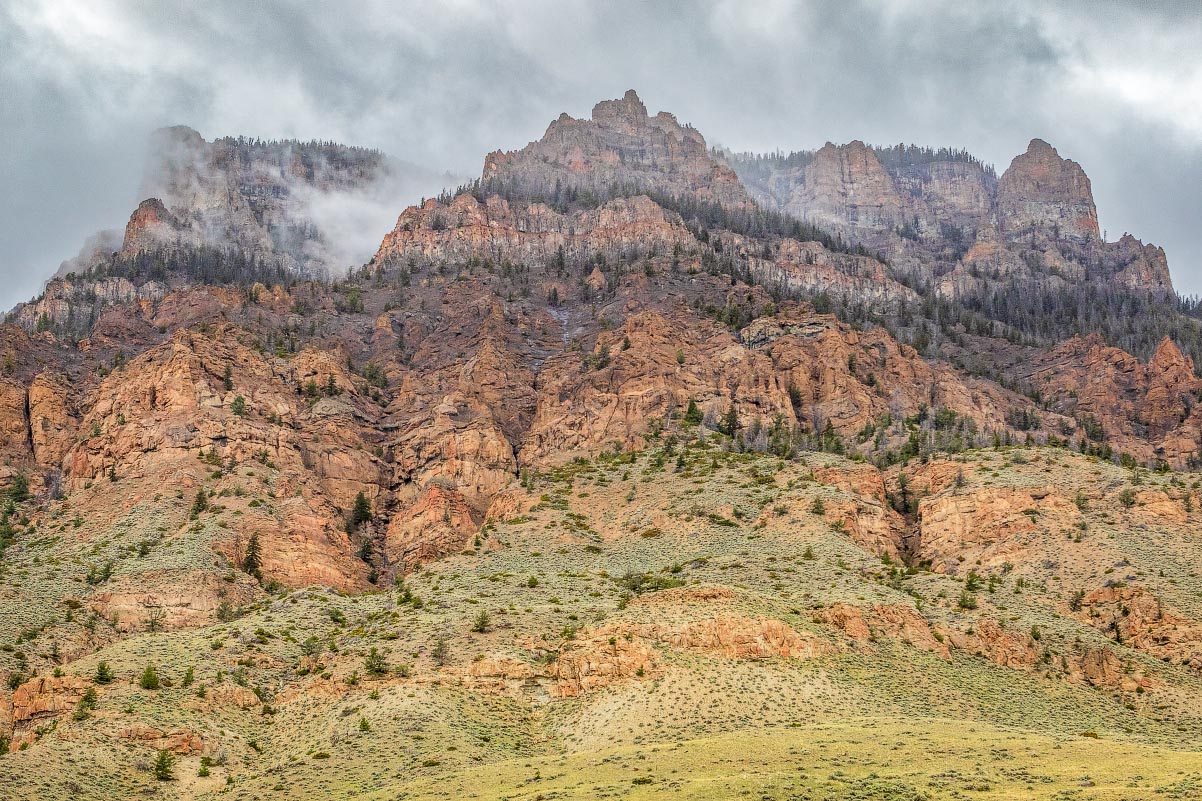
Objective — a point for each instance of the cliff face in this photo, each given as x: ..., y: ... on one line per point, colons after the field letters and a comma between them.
x: 619, y: 146
x: 247, y: 194
x: 468, y: 229
x: 847, y: 186
x: 1045, y: 196
x: 1156, y: 402
x: 851, y: 189
x: 944, y: 218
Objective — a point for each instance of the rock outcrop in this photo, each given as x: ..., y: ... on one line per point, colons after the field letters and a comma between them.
x: 620, y: 146
x: 1149, y: 410
x: 1136, y: 618
x: 945, y: 218
x: 495, y: 230
x: 37, y: 703
x: 989, y: 526
x: 1046, y: 196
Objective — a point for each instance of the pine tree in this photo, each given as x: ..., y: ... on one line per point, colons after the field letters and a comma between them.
x: 692, y: 414
x: 200, y: 503
x: 164, y: 767
x: 374, y: 663
x: 362, y: 510
x: 730, y: 422
x: 252, y: 561
x: 481, y: 624
x: 19, y: 491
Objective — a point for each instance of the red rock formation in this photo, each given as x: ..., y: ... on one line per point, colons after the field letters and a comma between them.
x: 1045, y: 194
x: 183, y: 742
x: 621, y: 145
x: 1135, y: 617
x: 39, y: 701
x: 1147, y: 410
x: 150, y: 226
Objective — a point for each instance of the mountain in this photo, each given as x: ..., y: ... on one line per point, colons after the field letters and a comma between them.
x: 943, y: 216
x: 233, y: 208
x: 610, y: 452
x: 620, y: 148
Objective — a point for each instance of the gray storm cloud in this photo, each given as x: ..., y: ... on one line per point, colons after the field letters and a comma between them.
x: 1117, y: 87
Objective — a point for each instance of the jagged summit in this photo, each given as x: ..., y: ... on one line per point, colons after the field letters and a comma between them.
x: 943, y: 217
x: 1047, y: 194
x: 619, y: 149
x: 628, y: 110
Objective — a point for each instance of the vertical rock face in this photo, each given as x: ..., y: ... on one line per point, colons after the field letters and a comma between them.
x: 52, y: 420
x: 847, y: 187
x: 1137, y: 265
x: 620, y: 147
x: 253, y: 195
x: 535, y: 233
x: 1047, y: 195
x: 150, y: 226
x: 871, y: 194
x: 942, y: 215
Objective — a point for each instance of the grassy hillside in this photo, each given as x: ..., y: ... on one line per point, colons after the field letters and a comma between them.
x: 677, y: 624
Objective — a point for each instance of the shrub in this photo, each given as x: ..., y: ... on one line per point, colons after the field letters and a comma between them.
x: 150, y: 678
x: 480, y: 626
x: 639, y: 583
x: 375, y: 663
x: 441, y: 652
x: 104, y: 674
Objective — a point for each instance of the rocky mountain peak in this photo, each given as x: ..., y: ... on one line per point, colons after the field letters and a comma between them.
x: 150, y: 224
x: 1040, y: 148
x: 1169, y: 360
x: 628, y: 111
x: 621, y: 148
x: 1043, y: 193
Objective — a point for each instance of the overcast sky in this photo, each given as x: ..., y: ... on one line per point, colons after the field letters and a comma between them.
x: 1115, y: 86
